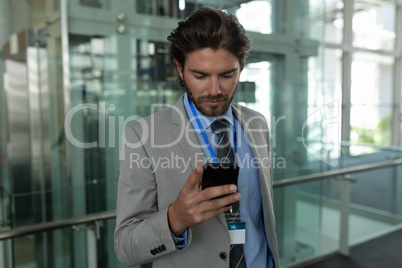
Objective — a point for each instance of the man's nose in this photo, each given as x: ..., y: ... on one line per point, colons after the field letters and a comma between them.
x: 213, y: 88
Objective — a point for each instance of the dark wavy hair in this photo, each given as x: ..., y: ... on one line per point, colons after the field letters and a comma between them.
x: 208, y: 28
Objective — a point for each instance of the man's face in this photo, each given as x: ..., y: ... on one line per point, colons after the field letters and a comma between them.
x: 211, y: 78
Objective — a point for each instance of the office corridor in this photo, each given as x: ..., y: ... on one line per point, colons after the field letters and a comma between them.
x: 382, y: 252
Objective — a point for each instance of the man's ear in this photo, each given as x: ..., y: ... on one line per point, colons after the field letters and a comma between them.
x: 179, y: 68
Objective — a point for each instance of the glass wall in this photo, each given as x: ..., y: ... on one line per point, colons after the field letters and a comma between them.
x: 371, y: 97
x: 374, y: 25
x: 32, y: 151
x: 318, y: 71
x: 334, y: 21
x: 368, y: 43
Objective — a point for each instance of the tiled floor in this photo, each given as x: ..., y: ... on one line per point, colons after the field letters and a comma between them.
x: 382, y: 252
x: 318, y: 227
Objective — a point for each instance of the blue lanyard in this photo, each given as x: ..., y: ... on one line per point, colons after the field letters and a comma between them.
x: 204, y: 136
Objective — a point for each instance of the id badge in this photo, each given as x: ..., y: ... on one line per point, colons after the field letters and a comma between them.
x: 237, y: 232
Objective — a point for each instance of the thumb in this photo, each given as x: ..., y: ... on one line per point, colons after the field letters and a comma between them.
x: 195, y: 179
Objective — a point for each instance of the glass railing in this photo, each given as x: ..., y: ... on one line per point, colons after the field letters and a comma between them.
x: 327, y: 215
x: 58, y: 204
x: 317, y: 156
x: 319, y: 214
x: 374, y: 198
x: 76, y: 245
x: 83, y: 245
x: 92, y: 187
x: 5, y: 209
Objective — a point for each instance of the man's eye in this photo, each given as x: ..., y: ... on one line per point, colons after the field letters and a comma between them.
x: 227, y: 76
x: 199, y: 76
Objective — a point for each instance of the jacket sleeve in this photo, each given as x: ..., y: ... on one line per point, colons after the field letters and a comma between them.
x: 142, y: 232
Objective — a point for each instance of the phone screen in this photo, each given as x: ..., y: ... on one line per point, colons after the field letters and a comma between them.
x: 216, y: 174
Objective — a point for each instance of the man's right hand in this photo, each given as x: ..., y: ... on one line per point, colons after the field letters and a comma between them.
x: 193, y: 206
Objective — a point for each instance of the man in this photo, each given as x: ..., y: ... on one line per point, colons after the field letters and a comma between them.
x: 163, y: 214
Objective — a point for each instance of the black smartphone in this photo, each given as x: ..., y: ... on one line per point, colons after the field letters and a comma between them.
x: 216, y: 174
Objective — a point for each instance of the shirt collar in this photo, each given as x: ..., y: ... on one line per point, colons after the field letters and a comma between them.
x: 206, y: 121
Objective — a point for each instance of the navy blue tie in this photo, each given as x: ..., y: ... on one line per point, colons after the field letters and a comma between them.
x: 224, y: 151
x: 225, y: 154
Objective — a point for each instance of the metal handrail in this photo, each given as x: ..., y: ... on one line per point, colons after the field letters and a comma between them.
x: 48, y: 226
x: 383, y: 147
x: 361, y: 144
x: 42, y: 227
x: 335, y: 173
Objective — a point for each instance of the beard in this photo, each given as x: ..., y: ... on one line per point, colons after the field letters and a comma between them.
x: 213, y: 111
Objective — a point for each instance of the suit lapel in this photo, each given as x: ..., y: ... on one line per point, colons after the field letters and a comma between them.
x: 184, y: 134
x: 260, y: 152
x: 251, y: 131
x: 243, y: 119
x: 265, y: 175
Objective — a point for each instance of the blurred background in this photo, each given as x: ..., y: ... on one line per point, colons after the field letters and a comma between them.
x: 327, y: 75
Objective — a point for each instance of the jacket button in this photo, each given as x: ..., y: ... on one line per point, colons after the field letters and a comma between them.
x: 163, y: 247
x: 223, y: 255
x: 153, y: 252
x: 156, y: 250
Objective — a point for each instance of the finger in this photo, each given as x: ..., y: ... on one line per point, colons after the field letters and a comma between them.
x: 220, y: 203
x: 195, y: 179
x: 217, y: 191
x: 213, y: 213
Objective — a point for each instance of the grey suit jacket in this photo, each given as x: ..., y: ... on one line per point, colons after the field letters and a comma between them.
x: 153, y: 170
